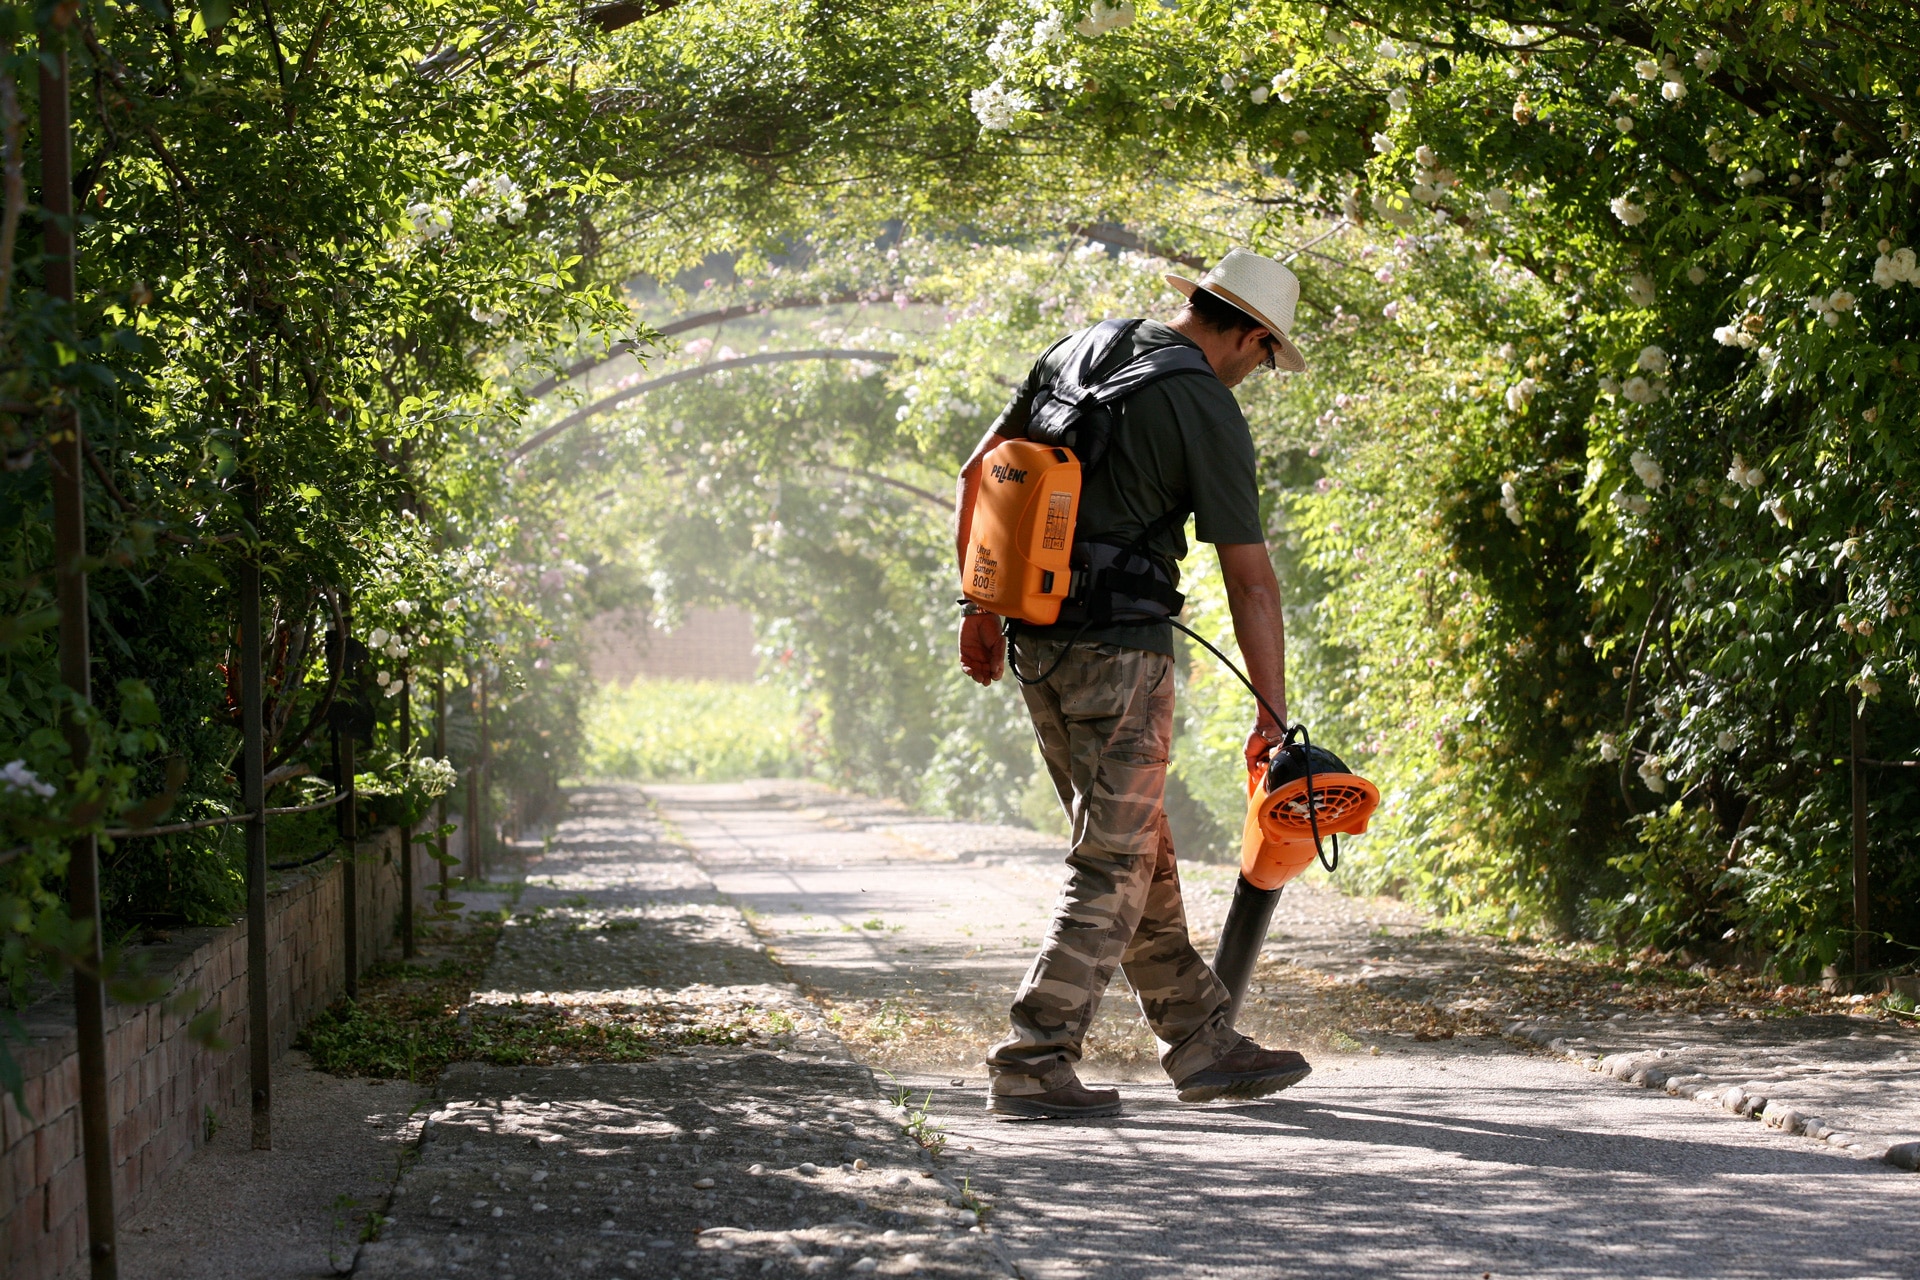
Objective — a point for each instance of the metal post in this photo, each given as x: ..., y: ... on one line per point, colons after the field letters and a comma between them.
x: 440, y: 753
x: 481, y: 817
x: 350, y: 855
x: 1862, y: 903
x: 253, y: 795
x: 406, y: 828
x: 70, y: 587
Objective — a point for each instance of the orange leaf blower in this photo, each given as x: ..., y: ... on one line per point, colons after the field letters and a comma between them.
x: 1299, y: 799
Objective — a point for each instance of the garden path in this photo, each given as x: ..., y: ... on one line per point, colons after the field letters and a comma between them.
x: 1418, y: 1148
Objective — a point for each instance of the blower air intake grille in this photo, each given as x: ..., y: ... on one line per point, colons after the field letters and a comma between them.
x: 1342, y: 804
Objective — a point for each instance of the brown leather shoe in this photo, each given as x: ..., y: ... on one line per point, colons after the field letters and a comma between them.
x: 1248, y: 1072
x: 1069, y: 1102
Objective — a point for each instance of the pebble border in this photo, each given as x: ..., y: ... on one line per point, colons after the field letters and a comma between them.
x: 1644, y: 1068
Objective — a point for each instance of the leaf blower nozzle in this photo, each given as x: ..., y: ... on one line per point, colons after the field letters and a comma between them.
x: 1298, y: 798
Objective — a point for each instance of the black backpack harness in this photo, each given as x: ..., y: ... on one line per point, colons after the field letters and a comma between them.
x: 1113, y: 580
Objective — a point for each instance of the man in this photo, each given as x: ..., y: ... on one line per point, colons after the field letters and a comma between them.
x: 1103, y: 714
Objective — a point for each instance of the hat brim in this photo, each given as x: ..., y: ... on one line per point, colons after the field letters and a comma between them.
x: 1288, y: 358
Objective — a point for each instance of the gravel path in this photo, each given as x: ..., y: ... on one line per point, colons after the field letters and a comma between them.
x: 1409, y: 1152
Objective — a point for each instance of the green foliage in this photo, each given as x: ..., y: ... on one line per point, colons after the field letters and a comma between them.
x: 1598, y: 497
x: 694, y: 730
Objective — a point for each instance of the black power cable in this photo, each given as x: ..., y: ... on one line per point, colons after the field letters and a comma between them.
x: 1291, y: 732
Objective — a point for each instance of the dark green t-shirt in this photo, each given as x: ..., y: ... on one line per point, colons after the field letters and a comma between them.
x: 1179, y: 444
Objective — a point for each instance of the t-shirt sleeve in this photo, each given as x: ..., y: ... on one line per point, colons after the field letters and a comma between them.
x: 1222, y: 474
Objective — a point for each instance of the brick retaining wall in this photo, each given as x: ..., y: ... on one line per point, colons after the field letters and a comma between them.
x: 162, y: 1088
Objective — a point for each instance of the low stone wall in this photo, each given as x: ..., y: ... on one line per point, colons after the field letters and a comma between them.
x: 165, y: 1092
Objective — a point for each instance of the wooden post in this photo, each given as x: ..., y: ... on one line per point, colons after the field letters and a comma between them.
x: 350, y: 842
x: 1862, y: 902
x: 253, y: 798
x: 65, y: 456
x: 406, y: 828
x: 440, y: 753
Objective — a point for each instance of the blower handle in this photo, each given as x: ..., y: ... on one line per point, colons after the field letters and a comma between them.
x: 1313, y: 810
x: 1241, y: 938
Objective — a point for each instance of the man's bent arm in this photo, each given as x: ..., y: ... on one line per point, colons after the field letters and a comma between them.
x: 1253, y: 594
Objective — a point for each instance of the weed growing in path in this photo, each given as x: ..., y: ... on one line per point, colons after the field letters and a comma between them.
x: 412, y: 1020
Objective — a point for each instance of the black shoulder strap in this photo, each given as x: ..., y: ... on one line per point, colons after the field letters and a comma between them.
x: 1074, y: 407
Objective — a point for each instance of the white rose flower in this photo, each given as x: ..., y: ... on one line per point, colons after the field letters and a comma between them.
x: 1300, y: 138
x: 379, y: 638
x: 1425, y: 194
x: 1647, y: 469
x: 1905, y: 266
x: 1609, y: 747
x: 1840, y: 300
x: 997, y: 107
x: 1640, y: 289
x: 1652, y: 775
x: 1259, y: 94
x: 1103, y: 17
x: 1508, y: 351
x: 1623, y: 123
x: 1609, y: 385
x: 1510, y: 501
x: 1749, y: 178
x: 1397, y: 99
x: 1883, y: 272
x: 1499, y: 200
x: 1653, y: 360
x: 1382, y: 143
x: 1778, y: 510
x: 1726, y: 741
x: 17, y: 778
x: 1717, y: 152
x: 1521, y: 394
x: 1707, y: 60
x: 1424, y: 154
x: 403, y: 607
x: 1647, y: 69
x: 1636, y: 503
x: 1641, y: 391
x: 1673, y: 90
x: 1627, y: 211
x: 1733, y: 335
x: 1227, y: 82
x: 1696, y: 275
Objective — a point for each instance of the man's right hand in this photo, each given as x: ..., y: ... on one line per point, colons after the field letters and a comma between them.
x: 983, y: 649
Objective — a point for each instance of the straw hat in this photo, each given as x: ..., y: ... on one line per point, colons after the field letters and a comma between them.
x: 1260, y: 287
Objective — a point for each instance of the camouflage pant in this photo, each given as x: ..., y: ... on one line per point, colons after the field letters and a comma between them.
x: 1104, y: 720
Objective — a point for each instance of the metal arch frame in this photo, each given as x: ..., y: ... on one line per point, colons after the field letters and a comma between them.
x: 608, y: 403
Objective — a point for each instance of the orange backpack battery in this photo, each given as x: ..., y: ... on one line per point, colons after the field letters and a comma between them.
x: 1022, y: 531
